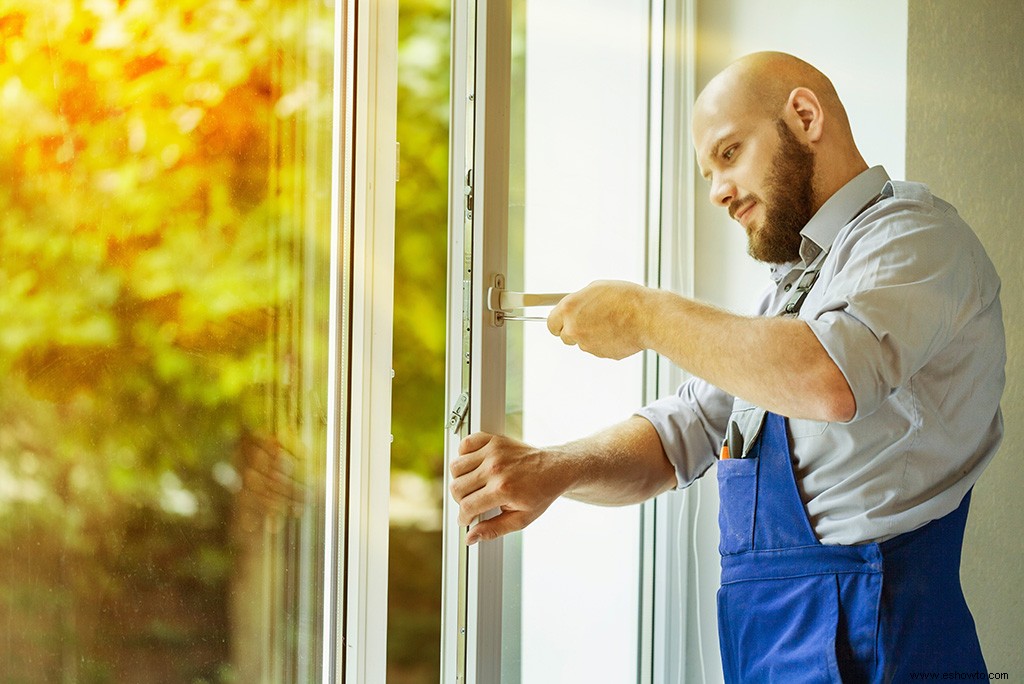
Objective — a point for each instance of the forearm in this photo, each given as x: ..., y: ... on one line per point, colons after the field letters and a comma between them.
x: 773, y: 362
x: 621, y: 465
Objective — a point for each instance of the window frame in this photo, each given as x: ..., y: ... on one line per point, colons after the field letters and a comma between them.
x: 472, y: 645
x: 359, y: 383
x: 677, y: 608
x: 478, y: 196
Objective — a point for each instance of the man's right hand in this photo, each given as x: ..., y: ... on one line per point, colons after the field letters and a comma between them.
x: 498, y: 473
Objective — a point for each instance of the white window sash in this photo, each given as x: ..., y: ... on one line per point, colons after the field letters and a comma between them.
x: 481, y: 69
x: 472, y: 644
x: 359, y: 389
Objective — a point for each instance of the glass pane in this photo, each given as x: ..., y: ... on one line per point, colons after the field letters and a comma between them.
x: 165, y: 193
x: 577, y: 214
x: 418, y: 411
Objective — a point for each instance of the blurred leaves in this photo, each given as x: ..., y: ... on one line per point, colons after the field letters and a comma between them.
x: 139, y: 222
x: 421, y: 237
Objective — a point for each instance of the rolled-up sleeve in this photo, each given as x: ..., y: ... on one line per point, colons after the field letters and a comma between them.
x: 691, y: 424
x: 904, y: 284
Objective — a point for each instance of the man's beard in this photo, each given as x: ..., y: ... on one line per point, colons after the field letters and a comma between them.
x: 789, y: 201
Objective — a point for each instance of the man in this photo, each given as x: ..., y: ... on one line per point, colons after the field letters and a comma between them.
x: 851, y: 417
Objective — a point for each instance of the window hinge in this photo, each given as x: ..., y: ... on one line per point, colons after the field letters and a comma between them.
x: 459, y: 412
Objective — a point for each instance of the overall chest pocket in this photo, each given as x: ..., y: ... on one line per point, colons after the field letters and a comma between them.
x: 738, y: 480
x: 737, y: 492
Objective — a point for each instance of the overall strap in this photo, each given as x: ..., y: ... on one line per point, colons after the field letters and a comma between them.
x: 807, y: 280
x: 804, y: 285
x: 810, y: 275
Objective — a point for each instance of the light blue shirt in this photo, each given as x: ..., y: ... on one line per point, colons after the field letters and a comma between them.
x: 907, y: 305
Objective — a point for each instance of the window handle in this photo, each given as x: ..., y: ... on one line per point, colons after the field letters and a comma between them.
x: 502, y: 302
x: 509, y: 300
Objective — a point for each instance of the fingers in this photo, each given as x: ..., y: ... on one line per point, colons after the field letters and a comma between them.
x: 469, y: 454
x: 563, y: 317
x: 477, y: 502
x: 474, y: 442
x: 555, y: 321
x: 463, y: 490
x: 463, y: 465
x: 498, y: 526
x: 475, y: 488
x: 467, y: 477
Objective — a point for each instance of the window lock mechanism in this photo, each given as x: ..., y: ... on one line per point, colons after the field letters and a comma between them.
x: 502, y: 302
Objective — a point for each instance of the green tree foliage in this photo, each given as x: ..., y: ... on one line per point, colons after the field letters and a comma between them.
x: 134, y: 208
x: 421, y: 237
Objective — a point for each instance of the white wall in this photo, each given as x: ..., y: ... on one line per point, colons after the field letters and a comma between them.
x: 862, y: 47
x: 966, y: 140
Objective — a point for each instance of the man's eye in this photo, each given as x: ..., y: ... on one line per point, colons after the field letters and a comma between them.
x: 729, y: 153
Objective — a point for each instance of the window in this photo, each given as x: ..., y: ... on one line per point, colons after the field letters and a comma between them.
x: 196, y: 270
x: 189, y: 196
x: 574, y: 187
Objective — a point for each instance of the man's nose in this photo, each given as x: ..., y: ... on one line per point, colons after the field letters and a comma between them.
x: 723, y: 191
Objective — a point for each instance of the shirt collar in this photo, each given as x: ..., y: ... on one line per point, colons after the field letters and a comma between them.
x: 837, y: 211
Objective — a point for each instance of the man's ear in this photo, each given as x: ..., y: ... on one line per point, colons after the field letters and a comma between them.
x: 804, y: 109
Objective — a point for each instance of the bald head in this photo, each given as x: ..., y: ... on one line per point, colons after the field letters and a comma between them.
x: 761, y: 84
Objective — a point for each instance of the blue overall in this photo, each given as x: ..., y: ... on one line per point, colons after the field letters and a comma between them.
x: 792, y: 609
